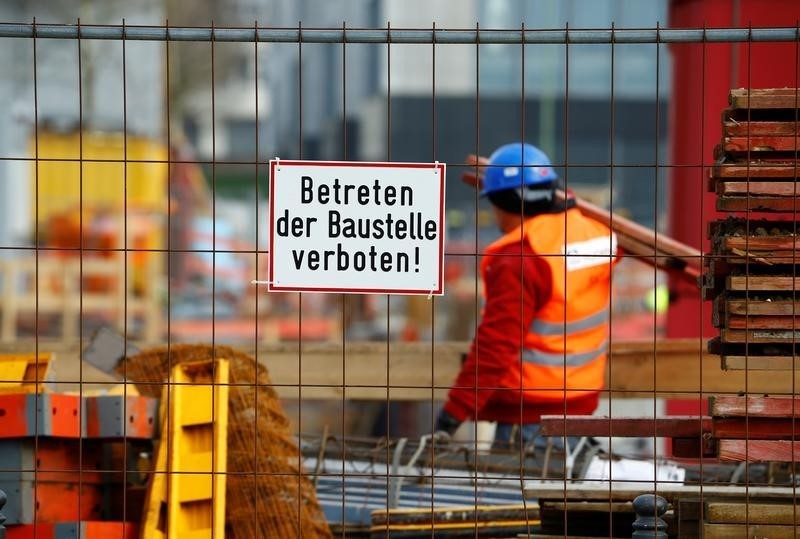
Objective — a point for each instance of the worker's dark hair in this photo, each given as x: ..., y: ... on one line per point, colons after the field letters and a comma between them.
x: 529, y: 200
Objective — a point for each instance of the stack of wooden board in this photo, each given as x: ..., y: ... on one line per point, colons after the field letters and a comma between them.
x: 729, y: 517
x: 757, y: 159
x: 750, y: 519
x: 751, y: 271
x: 755, y: 428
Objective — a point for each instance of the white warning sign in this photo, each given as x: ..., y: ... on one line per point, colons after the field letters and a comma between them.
x: 356, y: 227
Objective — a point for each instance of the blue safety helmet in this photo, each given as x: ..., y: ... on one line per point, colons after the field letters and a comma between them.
x: 506, y: 170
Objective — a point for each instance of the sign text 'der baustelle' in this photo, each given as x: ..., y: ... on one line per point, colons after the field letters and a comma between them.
x: 356, y: 227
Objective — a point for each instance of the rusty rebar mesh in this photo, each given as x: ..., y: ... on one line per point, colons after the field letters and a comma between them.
x: 268, y: 493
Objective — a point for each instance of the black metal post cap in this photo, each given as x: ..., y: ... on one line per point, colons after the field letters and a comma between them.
x: 649, y: 509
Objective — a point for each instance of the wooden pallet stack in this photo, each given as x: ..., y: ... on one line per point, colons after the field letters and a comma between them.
x: 751, y: 276
x: 752, y: 269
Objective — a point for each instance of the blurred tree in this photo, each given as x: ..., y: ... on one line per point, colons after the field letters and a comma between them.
x: 190, y: 69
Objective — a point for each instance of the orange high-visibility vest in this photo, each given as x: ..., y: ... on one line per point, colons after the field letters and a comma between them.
x: 564, y: 349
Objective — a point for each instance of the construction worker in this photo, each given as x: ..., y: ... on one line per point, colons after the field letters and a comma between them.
x: 540, y: 346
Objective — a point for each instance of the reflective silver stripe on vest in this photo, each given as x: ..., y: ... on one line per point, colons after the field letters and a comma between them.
x: 543, y: 327
x: 550, y: 359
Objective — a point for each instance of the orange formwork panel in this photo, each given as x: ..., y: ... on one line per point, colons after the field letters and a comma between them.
x: 62, y: 460
x: 49, y: 414
x: 118, y: 416
x: 60, y: 415
x: 90, y: 529
x: 40, y: 530
x: 44, y: 501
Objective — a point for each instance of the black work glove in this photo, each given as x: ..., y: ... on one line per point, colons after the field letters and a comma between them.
x: 445, y: 422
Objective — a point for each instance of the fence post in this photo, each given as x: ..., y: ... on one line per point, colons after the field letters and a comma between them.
x: 649, y: 509
x: 2, y: 516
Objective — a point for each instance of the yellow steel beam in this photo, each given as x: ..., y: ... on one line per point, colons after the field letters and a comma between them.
x: 154, y: 522
x: 198, y: 431
x: 186, y: 496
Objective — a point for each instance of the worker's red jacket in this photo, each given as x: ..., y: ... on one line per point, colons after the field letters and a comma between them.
x: 541, y: 313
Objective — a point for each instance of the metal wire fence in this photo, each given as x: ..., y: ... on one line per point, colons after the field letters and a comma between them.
x: 153, y: 220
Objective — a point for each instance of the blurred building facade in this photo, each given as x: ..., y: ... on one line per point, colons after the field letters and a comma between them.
x: 357, y: 101
x: 228, y: 103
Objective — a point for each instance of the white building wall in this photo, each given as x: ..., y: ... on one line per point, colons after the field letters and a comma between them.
x: 412, y: 65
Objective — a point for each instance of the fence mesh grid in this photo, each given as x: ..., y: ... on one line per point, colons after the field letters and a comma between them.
x: 130, y: 259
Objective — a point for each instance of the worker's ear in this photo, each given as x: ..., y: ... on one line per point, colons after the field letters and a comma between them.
x: 470, y: 177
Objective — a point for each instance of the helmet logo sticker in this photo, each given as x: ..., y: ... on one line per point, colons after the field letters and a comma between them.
x: 510, y: 171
